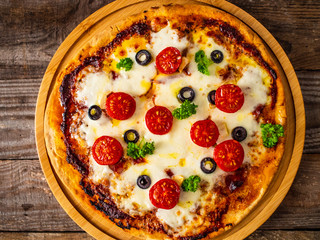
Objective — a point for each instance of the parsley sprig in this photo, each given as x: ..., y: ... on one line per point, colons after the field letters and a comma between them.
x: 203, y: 62
x: 191, y: 183
x: 185, y: 110
x: 271, y: 134
x: 140, y: 150
x: 125, y: 63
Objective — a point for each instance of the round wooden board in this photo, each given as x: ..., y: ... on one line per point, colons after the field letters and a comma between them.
x: 93, y: 223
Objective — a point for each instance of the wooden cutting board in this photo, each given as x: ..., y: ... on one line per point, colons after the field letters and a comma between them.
x: 109, y: 16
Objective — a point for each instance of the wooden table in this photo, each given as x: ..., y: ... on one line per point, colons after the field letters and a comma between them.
x: 30, y: 33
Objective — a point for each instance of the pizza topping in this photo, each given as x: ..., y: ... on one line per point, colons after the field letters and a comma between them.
x: 140, y: 150
x: 204, y: 133
x: 94, y: 112
x: 131, y: 136
x: 208, y: 165
x: 120, y: 105
x: 120, y: 166
x: 233, y: 182
x: 144, y: 181
x: 271, y: 134
x: 125, y: 63
x: 185, y: 110
x: 143, y: 57
x: 228, y: 155
x: 107, y: 150
x: 191, y: 183
x: 186, y: 93
x: 168, y: 60
x: 211, y: 97
x: 229, y: 98
x: 159, y: 120
x: 239, y: 134
x: 216, y: 56
x: 203, y: 62
x: 165, y: 194
x: 175, y: 145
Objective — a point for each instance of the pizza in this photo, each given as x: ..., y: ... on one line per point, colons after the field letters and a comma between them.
x: 170, y: 125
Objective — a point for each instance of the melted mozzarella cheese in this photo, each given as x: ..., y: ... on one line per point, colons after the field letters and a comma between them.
x: 137, y: 80
x: 93, y: 88
x: 167, y: 37
x: 175, y: 150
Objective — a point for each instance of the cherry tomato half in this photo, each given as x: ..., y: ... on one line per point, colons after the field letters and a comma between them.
x: 228, y: 155
x: 229, y: 98
x: 165, y: 194
x: 204, y: 133
x: 120, y: 105
x: 168, y: 60
x: 159, y: 120
x: 107, y: 150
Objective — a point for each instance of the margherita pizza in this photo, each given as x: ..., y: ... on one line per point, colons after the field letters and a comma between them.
x: 173, y: 127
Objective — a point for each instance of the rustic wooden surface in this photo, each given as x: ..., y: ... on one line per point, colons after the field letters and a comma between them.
x: 30, y: 33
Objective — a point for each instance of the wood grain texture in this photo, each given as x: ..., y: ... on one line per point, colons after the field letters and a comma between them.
x: 45, y: 236
x: 295, y: 24
x: 261, y: 235
x: 32, y: 32
x: 283, y: 235
x: 32, y: 207
x: 26, y: 201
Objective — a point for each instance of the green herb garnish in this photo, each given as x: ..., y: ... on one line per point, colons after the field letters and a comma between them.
x: 203, y: 62
x: 140, y: 150
x: 185, y: 110
x: 125, y: 63
x: 271, y: 134
x: 191, y: 183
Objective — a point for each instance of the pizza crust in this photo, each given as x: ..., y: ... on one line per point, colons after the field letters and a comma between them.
x: 53, y: 115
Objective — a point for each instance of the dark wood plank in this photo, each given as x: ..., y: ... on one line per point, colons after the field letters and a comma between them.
x: 301, y: 207
x: 31, y: 33
x: 262, y: 235
x: 44, y: 236
x: 310, y: 87
x: 295, y: 24
x: 27, y: 204
x: 284, y: 235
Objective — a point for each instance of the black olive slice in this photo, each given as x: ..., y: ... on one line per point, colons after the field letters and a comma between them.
x: 208, y: 165
x: 186, y: 93
x: 143, y: 57
x: 94, y: 112
x: 211, y: 97
x: 131, y: 136
x: 144, y: 181
x: 216, y: 56
x: 239, y: 134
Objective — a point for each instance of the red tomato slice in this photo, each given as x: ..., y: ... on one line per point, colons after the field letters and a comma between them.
x: 228, y: 155
x: 168, y: 60
x: 120, y: 105
x: 165, y: 194
x: 107, y: 150
x: 204, y: 133
x: 229, y: 98
x: 159, y: 120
